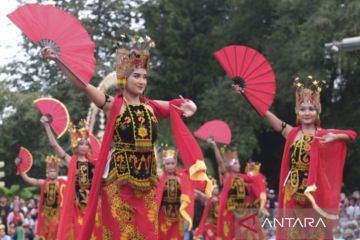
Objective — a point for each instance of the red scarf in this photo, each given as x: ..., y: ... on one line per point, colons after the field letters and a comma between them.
x: 325, y: 172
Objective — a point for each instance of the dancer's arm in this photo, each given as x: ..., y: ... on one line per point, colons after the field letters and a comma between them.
x: 30, y: 180
x: 188, y: 107
x: 98, y: 97
x: 218, y: 156
x: 58, y: 149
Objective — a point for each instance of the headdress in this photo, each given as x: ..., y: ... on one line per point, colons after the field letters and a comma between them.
x: 308, y: 94
x: 131, y: 52
x: 252, y: 168
x: 52, y: 162
x: 169, y: 153
x: 76, y: 134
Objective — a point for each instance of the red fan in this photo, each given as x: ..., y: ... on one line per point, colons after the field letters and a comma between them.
x: 217, y: 129
x: 95, y: 146
x: 56, y: 112
x: 26, y: 161
x: 249, y: 69
x: 51, y: 27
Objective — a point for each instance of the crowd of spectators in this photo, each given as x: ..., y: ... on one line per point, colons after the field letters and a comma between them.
x: 17, y: 218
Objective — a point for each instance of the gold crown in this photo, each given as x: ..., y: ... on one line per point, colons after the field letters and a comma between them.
x: 52, y: 162
x: 169, y: 153
x: 308, y: 94
x: 132, y: 52
x: 76, y: 134
x: 253, y: 168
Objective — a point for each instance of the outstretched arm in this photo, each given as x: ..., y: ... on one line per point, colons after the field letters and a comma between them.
x: 53, y: 142
x: 187, y: 107
x: 98, y: 97
x: 273, y: 120
x: 30, y: 180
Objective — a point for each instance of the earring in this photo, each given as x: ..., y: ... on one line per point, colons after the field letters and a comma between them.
x: 298, y: 122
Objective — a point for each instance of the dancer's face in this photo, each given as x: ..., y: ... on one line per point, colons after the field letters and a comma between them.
x: 137, y: 81
x: 235, y: 165
x: 170, y: 165
x: 307, y: 113
x: 83, y: 146
x: 52, y: 174
x: 216, y: 191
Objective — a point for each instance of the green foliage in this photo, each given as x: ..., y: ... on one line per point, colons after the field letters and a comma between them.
x: 23, y: 192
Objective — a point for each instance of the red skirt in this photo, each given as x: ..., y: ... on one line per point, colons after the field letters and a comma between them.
x: 129, y: 213
x: 170, y: 229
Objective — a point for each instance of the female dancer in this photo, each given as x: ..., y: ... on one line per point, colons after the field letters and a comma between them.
x: 242, y: 195
x: 51, y: 198
x: 175, y: 198
x: 311, y: 167
x: 80, y: 173
x: 128, y: 191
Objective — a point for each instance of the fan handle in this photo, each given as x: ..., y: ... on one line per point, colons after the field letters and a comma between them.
x: 240, y: 82
x: 50, y: 117
x: 51, y: 44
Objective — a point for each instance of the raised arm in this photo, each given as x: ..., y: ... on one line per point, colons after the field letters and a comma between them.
x: 98, y: 97
x: 53, y: 142
x: 277, y: 124
x: 218, y: 156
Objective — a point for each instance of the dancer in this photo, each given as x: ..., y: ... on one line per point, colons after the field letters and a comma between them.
x: 242, y: 196
x: 311, y: 167
x: 128, y: 190
x: 51, y: 198
x: 175, y: 198
x: 81, y: 165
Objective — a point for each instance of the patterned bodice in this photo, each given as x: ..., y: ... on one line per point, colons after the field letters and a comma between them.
x: 300, y: 163
x: 84, y: 174
x: 237, y: 194
x: 133, y: 160
x: 170, y: 203
x: 51, y: 200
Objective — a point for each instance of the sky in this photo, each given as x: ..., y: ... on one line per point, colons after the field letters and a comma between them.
x: 10, y: 35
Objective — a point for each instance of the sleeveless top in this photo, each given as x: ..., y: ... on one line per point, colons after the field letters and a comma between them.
x: 299, y: 165
x: 84, y: 175
x: 133, y: 159
x: 170, y: 202
x: 50, y: 207
x: 237, y: 194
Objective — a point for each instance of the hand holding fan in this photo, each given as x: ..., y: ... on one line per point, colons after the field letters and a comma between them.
x: 51, y: 27
x: 25, y: 161
x: 56, y: 112
x: 249, y: 69
x: 216, y: 129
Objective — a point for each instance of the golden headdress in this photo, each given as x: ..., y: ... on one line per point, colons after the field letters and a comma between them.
x: 76, y: 134
x: 52, y: 162
x: 308, y: 94
x: 131, y: 52
x: 252, y: 168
